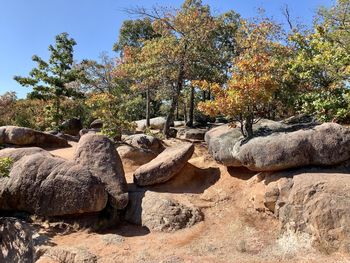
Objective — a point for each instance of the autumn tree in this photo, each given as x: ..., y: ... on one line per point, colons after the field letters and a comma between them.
x: 255, y: 76
x: 50, y: 79
x: 185, y: 51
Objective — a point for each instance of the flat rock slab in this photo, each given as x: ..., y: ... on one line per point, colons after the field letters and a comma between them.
x: 159, y: 213
x: 164, y: 166
x: 25, y: 136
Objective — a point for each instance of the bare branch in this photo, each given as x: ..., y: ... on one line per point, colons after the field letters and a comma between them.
x: 286, y: 14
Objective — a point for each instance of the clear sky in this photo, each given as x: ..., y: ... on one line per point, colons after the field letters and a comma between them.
x: 28, y: 27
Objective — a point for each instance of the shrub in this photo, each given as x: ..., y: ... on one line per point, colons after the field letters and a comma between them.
x: 5, y: 166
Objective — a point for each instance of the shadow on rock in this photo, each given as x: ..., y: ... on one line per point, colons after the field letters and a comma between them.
x: 241, y: 173
x: 190, y: 179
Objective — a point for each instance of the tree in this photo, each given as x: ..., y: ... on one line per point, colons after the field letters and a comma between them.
x: 50, y: 79
x: 321, y: 63
x: 255, y: 76
x: 183, y: 52
x: 132, y: 36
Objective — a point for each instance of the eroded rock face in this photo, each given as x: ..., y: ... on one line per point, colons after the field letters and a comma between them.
x: 25, y: 136
x: 314, y: 201
x: 16, y: 244
x: 159, y: 213
x: 98, y: 154
x: 279, y: 146
x: 50, y: 186
x: 164, y: 166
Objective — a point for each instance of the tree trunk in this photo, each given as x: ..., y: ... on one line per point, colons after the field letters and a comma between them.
x: 248, y: 126
x: 57, y: 111
x: 191, y: 110
x: 148, y: 112
x: 174, y: 101
x: 185, y: 111
x: 177, y: 110
x: 204, y: 96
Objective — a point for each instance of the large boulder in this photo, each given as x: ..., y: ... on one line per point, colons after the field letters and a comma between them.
x: 72, y: 126
x: 156, y: 123
x: 314, y: 201
x: 278, y: 146
x: 98, y: 154
x: 50, y: 186
x: 327, y: 144
x: 159, y: 213
x: 164, y: 166
x: 15, y: 241
x: 146, y: 142
x: 25, y: 136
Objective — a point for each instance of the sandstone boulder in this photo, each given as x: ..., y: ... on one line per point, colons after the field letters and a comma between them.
x: 159, y: 213
x: 164, y: 166
x: 15, y: 241
x: 25, y: 136
x: 327, y: 144
x: 279, y: 146
x: 66, y: 254
x: 98, y: 154
x: 50, y: 186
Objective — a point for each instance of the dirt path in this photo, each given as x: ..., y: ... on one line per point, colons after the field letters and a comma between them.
x: 233, y: 231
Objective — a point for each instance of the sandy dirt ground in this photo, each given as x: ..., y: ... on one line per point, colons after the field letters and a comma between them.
x: 232, y: 231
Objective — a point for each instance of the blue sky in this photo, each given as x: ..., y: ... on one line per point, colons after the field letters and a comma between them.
x: 28, y: 27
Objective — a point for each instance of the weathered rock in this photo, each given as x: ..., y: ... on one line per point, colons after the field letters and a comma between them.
x: 17, y: 153
x: 164, y: 166
x: 68, y: 254
x: 50, y: 186
x: 156, y: 123
x: 314, y: 201
x: 157, y: 213
x: 96, y: 124
x: 138, y: 156
x: 15, y: 241
x: 24, y: 136
x: 191, y: 134
x: 279, y: 146
x: 98, y: 154
x: 112, y: 239
x: 326, y: 144
x: 145, y: 142
x: 72, y: 126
